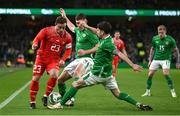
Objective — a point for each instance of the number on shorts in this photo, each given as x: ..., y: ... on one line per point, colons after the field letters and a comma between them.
x: 37, y: 69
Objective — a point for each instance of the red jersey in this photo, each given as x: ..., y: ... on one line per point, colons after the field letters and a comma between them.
x: 119, y: 44
x: 52, y: 43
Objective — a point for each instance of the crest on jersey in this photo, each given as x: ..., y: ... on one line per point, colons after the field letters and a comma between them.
x: 167, y: 43
x: 84, y: 35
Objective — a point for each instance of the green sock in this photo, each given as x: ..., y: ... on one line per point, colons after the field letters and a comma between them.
x: 69, y: 94
x: 169, y: 81
x: 62, y: 89
x: 126, y: 97
x: 149, y: 82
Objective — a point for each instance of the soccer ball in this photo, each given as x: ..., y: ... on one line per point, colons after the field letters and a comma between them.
x: 54, y: 97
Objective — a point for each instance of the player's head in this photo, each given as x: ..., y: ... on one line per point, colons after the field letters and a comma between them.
x: 117, y: 34
x: 162, y: 31
x: 103, y: 29
x: 60, y: 24
x: 80, y: 17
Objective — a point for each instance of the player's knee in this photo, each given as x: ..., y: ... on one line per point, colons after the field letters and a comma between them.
x: 36, y: 78
x: 151, y: 73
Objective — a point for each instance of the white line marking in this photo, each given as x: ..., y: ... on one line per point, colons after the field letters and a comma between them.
x: 10, y: 98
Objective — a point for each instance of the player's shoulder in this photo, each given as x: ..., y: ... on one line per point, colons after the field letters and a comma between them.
x: 170, y: 37
x: 156, y: 37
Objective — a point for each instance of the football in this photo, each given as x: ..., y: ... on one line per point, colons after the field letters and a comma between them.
x: 54, y: 98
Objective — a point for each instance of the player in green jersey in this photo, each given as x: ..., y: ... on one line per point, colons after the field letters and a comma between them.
x: 101, y: 72
x: 86, y: 44
x: 160, y: 55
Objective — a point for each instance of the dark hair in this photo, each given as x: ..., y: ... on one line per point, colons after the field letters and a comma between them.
x: 80, y: 16
x: 105, y: 26
x: 60, y: 20
x: 116, y: 31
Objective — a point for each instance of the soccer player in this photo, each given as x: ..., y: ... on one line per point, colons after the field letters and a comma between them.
x: 120, y: 46
x: 53, y: 40
x: 86, y: 45
x: 160, y: 55
x: 101, y: 72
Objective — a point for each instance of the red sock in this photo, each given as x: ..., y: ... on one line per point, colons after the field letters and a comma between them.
x: 34, y: 87
x: 50, y: 85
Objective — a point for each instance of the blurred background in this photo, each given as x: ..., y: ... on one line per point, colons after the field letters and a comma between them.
x: 137, y: 21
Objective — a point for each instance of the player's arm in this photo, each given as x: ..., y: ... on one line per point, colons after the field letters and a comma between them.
x: 151, y: 54
x: 40, y: 36
x: 67, y: 52
x: 90, y: 51
x: 124, y: 52
x: 127, y: 60
x: 70, y: 25
x: 177, y: 55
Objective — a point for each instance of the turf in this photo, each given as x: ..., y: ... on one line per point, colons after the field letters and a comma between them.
x: 93, y: 100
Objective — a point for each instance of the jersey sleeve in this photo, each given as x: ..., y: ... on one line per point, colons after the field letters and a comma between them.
x: 173, y: 43
x: 75, y: 30
x: 40, y: 36
x: 69, y: 42
x: 92, y: 38
x: 109, y: 47
x: 68, y: 46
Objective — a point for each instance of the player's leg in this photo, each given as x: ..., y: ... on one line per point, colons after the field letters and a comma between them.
x: 38, y: 70
x: 86, y: 80
x: 166, y: 70
x: 61, y: 82
x: 53, y: 71
x: 152, y: 69
x: 66, y: 75
x: 111, y: 84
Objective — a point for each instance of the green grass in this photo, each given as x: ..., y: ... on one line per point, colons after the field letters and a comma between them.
x: 93, y: 100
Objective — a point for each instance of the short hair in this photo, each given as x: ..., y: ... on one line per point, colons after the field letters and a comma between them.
x: 116, y: 31
x: 60, y: 20
x: 80, y: 16
x: 105, y: 26
x: 162, y: 26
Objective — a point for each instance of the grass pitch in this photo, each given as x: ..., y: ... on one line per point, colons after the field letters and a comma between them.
x: 93, y: 100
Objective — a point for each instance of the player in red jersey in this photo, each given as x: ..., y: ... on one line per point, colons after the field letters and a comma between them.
x: 120, y: 46
x: 53, y: 40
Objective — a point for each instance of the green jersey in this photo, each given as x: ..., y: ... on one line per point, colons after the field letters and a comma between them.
x: 85, y: 39
x: 103, y: 59
x: 163, y: 47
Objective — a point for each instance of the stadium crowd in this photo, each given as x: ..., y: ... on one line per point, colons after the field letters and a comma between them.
x: 16, y: 39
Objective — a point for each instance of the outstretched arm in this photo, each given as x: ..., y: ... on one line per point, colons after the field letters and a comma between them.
x: 127, y: 60
x: 70, y: 25
x: 176, y: 50
x: 94, y: 30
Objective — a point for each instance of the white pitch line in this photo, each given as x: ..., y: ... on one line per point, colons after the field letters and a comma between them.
x: 10, y: 98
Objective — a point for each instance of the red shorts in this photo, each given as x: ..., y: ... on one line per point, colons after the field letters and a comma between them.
x: 42, y: 64
x: 115, y: 61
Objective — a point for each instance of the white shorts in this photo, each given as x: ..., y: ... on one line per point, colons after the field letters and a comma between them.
x: 165, y: 64
x: 87, y: 64
x: 109, y: 82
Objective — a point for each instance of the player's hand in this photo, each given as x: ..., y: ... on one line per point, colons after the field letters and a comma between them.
x: 34, y: 47
x: 83, y: 23
x: 81, y: 52
x: 61, y: 63
x: 149, y: 63
x: 178, y: 65
x: 137, y: 67
x: 62, y: 12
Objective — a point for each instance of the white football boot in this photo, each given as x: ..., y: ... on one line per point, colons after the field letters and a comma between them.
x: 147, y: 93
x: 173, y: 93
